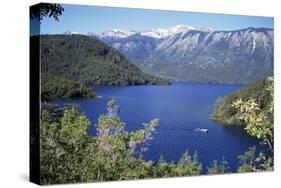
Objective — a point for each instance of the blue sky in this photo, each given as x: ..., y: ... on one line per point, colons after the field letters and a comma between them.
x: 83, y: 19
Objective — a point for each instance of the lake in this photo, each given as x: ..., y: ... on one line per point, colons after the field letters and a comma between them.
x: 181, y: 108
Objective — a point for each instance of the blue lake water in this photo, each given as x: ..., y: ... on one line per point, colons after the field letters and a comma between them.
x: 181, y: 108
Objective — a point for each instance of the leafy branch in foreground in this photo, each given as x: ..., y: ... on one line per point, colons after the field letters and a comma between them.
x: 259, y: 123
x: 68, y: 154
x: 218, y: 168
x: 226, y: 114
x: 141, y: 138
x: 249, y: 162
x: 47, y: 9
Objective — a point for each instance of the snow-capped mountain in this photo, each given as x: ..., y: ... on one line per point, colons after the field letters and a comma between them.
x: 154, y: 33
x: 163, y: 33
x: 115, y: 34
x: 200, y: 54
x: 197, y: 54
x: 222, y: 46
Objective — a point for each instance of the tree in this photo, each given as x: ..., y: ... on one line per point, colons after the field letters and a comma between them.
x: 225, y: 113
x: 47, y: 9
x: 218, y: 168
x: 63, y: 145
x: 188, y: 165
x: 110, y: 124
x: 87, y: 61
x: 259, y: 123
x: 54, y: 86
x: 69, y: 154
x: 141, y: 138
x: 249, y: 162
x: 165, y: 169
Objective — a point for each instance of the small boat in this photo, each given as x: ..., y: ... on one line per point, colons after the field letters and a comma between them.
x: 201, y: 130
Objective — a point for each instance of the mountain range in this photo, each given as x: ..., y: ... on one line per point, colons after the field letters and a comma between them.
x: 193, y: 54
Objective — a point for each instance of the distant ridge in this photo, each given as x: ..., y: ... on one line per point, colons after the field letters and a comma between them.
x: 198, y: 54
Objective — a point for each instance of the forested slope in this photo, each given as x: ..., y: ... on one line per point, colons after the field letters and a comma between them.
x: 225, y: 112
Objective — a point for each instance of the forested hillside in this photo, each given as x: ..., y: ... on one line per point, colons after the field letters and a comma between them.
x: 60, y: 86
x: 88, y: 61
x: 224, y: 111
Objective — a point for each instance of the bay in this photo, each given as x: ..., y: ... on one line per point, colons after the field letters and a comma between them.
x: 181, y: 108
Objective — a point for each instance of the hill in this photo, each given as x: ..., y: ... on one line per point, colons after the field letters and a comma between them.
x: 81, y: 61
x: 91, y: 61
x: 226, y: 114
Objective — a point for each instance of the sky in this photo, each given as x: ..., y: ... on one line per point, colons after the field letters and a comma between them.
x: 84, y: 19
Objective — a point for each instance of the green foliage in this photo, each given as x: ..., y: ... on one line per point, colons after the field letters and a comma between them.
x: 70, y: 65
x: 188, y: 165
x: 110, y: 124
x: 68, y: 154
x: 53, y: 86
x: 63, y: 145
x: 249, y: 162
x: 90, y: 61
x: 253, y: 107
x: 141, y: 137
x: 259, y: 122
x: 218, y: 168
x: 164, y: 169
x: 225, y: 113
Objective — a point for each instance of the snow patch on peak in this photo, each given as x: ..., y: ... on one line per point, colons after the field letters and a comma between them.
x: 163, y: 33
x: 181, y: 28
x: 206, y: 29
x: 116, y: 33
x: 70, y: 33
x: 155, y: 33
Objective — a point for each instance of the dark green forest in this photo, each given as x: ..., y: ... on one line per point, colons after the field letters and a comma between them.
x: 60, y: 86
x: 80, y: 62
